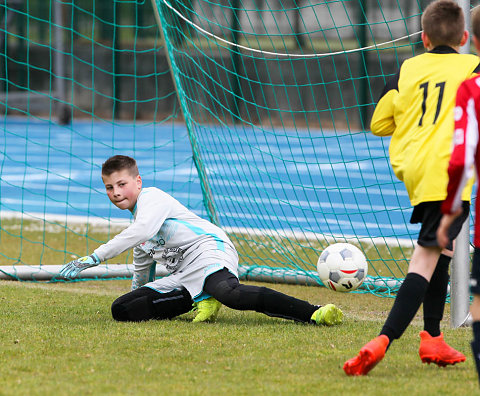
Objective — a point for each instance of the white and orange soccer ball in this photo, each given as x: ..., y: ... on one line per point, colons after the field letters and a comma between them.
x: 342, y: 267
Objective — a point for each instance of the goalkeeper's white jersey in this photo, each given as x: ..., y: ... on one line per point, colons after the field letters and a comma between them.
x: 166, y: 232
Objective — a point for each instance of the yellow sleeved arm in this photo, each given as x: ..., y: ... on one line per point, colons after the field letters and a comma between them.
x: 383, y: 122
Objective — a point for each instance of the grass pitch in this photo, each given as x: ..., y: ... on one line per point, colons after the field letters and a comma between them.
x: 60, y: 339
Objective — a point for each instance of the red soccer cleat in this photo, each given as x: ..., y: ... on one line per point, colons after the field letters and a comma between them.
x: 436, y: 350
x: 368, y: 357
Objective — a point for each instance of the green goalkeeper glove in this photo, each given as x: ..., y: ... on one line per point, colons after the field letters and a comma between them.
x: 71, y: 269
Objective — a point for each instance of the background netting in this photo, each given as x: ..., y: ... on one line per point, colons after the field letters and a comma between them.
x: 253, y: 114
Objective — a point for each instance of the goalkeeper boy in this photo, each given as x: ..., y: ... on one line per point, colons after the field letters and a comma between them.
x: 199, y: 257
x: 416, y: 110
x: 464, y: 157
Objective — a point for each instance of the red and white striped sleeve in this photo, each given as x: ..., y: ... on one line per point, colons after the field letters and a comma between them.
x: 461, y: 165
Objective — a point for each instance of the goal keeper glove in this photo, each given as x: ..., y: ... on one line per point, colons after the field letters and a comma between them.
x: 71, y: 269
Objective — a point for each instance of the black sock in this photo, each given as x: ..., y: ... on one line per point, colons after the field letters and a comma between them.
x: 434, y: 302
x: 409, y: 298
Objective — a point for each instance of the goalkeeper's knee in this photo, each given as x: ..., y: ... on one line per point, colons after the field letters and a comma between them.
x: 134, y: 306
x: 119, y: 312
x: 145, y: 304
x: 135, y: 310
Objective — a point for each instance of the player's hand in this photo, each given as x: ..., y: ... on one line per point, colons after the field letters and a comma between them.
x: 71, y: 269
x: 445, y: 223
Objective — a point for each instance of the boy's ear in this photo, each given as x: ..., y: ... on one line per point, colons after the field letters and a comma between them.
x: 464, y: 38
x: 139, y: 181
x: 426, y: 41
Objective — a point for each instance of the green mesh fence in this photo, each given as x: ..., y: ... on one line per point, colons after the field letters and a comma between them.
x: 253, y: 114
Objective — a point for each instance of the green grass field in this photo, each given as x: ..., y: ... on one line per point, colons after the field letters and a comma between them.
x: 59, y: 339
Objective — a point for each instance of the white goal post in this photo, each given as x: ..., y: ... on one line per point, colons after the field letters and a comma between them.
x: 460, y: 268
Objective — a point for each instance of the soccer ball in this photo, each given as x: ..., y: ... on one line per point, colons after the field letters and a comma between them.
x: 342, y: 267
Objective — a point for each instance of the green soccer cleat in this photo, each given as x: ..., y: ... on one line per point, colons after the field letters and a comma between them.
x: 328, y: 315
x: 207, y: 310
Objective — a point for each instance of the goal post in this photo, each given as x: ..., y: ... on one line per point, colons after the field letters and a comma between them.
x: 460, y: 268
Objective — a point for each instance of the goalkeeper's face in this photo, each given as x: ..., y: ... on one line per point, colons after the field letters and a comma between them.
x: 123, y: 188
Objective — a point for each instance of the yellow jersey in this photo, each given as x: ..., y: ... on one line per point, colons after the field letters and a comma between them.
x: 416, y: 109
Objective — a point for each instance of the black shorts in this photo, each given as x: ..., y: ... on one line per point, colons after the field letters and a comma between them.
x: 430, y: 214
x: 475, y: 276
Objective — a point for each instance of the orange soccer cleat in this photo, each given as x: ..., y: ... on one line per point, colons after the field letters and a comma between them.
x: 368, y: 357
x: 436, y: 350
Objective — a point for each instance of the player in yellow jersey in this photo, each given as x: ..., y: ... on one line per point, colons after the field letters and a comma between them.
x: 416, y: 110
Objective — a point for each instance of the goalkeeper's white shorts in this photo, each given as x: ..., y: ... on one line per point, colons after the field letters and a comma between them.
x: 192, y: 275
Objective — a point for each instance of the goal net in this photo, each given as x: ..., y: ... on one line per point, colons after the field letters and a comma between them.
x: 277, y: 98
x: 253, y: 114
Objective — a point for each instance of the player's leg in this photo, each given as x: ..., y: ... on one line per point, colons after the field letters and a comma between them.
x: 406, y: 304
x: 434, y: 302
x: 225, y: 287
x: 433, y: 347
x: 412, y: 292
x: 475, y: 308
x: 410, y: 295
x: 145, y: 303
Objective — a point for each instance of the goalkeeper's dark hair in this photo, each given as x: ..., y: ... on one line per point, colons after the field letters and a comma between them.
x: 443, y: 22
x: 118, y: 163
